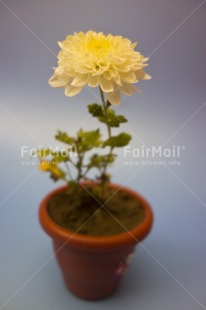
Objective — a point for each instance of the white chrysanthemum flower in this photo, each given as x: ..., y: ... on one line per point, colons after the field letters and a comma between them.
x: 94, y: 59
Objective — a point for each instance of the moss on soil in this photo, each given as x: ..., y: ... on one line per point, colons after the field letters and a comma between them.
x: 83, y: 213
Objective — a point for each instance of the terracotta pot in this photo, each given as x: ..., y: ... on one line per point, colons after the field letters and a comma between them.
x: 92, y: 266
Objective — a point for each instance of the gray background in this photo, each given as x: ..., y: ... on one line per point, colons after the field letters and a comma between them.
x: 168, y: 270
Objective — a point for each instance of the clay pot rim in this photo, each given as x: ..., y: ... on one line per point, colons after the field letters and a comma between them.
x: 78, y: 240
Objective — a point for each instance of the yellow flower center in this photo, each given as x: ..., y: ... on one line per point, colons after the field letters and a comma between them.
x: 98, y: 47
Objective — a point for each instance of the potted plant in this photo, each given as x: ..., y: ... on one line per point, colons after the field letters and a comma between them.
x: 94, y: 223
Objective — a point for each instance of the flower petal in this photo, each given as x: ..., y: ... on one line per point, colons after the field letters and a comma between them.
x: 93, y: 81
x: 44, y: 165
x: 147, y: 77
x: 72, y: 90
x: 54, y: 81
x: 130, y: 77
x: 114, y: 97
x: 135, y: 89
x: 80, y: 80
x: 106, y: 85
x: 140, y: 74
x: 126, y: 89
x: 108, y: 74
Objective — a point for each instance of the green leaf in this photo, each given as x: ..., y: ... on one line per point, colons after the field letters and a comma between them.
x: 118, y: 141
x: 121, y: 119
x: 112, y: 119
x: 95, y: 109
x: 99, y: 161
x: 90, y: 138
x: 64, y: 137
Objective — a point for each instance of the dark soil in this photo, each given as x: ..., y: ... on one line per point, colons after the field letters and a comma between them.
x: 85, y: 211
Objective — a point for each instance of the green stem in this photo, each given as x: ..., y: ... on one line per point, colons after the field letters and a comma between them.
x: 104, y: 106
x: 105, y: 112
x: 80, y: 162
